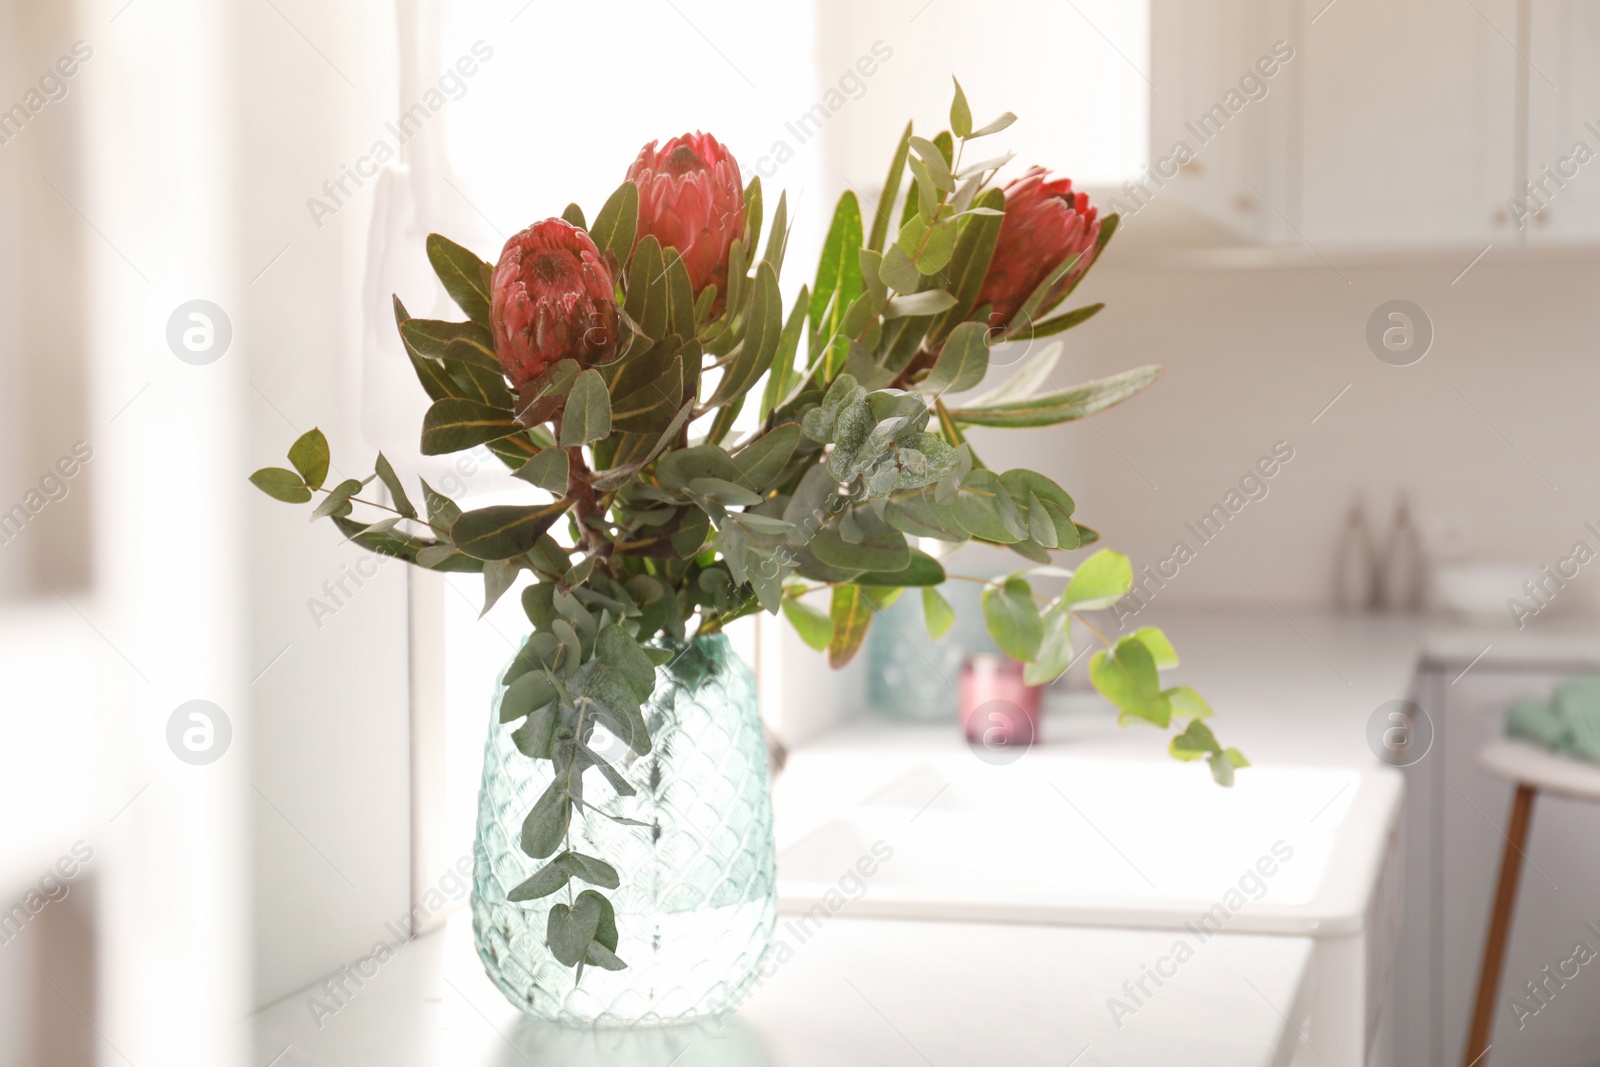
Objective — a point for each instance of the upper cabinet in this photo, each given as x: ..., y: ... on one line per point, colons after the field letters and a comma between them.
x: 1406, y: 123
x: 1556, y: 191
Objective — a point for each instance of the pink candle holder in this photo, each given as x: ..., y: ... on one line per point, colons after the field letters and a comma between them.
x: 999, y: 711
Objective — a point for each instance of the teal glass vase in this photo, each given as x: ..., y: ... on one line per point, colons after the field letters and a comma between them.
x: 698, y: 901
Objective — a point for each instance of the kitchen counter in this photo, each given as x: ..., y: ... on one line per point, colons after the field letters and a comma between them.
x: 1293, y: 691
x: 855, y: 992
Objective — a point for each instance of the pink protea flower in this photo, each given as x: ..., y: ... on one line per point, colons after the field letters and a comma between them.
x: 1045, y: 224
x: 552, y: 298
x: 690, y: 199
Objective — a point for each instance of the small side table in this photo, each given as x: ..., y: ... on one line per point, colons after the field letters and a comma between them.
x: 1535, y: 770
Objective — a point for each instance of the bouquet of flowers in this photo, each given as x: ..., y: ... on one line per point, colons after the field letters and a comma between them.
x: 607, y: 363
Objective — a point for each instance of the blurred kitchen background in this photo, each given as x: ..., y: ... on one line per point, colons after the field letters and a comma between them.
x: 282, y: 160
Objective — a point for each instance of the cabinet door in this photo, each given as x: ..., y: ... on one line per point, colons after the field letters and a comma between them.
x: 1407, y: 121
x: 1222, y: 103
x: 1563, y: 160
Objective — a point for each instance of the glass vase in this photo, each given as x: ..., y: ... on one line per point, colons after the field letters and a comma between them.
x: 697, y: 904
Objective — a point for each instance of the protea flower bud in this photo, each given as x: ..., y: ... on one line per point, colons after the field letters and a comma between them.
x: 552, y: 298
x: 690, y: 199
x: 1046, y: 223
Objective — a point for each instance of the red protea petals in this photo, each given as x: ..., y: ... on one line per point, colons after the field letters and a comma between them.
x: 691, y: 199
x: 552, y: 298
x: 1046, y: 223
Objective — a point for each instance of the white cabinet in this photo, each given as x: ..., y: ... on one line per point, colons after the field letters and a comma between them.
x: 1407, y: 121
x: 1457, y: 815
x: 1221, y: 114
x: 1557, y: 191
x: 1385, y: 124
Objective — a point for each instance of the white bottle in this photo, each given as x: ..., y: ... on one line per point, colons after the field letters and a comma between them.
x: 1355, y: 564
x: 1404, y: 570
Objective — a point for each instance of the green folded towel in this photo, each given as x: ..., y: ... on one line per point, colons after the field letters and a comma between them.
x: 1535, y: 720
x: 1569, y: 722
x: 1578, y: 703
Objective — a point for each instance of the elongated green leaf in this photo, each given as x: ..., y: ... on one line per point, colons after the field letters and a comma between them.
x: 814, y: 627
x: 1064, y: 406
x: 649, y: 298
x: 1051, y: 327
x: 960, y: 113
x: 778, y: 236
x: 936, y: 162
x: 465, y: 277
x: 927, y: 302
x: 1006, y: 119
x: 752, y: 214
x: 937, y: 613
x: 891, y: 189
x: 680, y: 297
x: 1022, y: 385
x: 760, y: 343
x: 785, y: 374
x: 1013, y: 618
x: 431, y: 337
x: 762, y: 460
x: 588, y: 413
x: 452, y: 425
x: 281, y: 484
x: 617, y: 222
x: 962, y: 362
x: 397, y: 491
x: 834, y: 249
x: 851, y: 615
x: 969, y: 263
x: 1100, y: 581
x: 505, y: 530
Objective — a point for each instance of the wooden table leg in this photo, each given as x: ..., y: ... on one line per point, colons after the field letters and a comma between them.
x: 1505, y: 904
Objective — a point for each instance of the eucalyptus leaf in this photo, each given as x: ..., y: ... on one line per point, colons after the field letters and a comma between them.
x: 1013, y: 619
x: 546, y: 824
x: 280, y: 484
x: 1100, y: 581
x: 309, y: 455
x: 937, y: 613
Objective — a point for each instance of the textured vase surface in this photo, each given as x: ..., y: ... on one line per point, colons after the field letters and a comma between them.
x: 697, y: 903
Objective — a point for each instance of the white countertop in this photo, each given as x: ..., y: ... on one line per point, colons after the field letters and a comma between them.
x: 1293, y: 690
x: 855, y: 992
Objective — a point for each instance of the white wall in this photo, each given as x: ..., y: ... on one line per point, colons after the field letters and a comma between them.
x: 1253, y: 354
